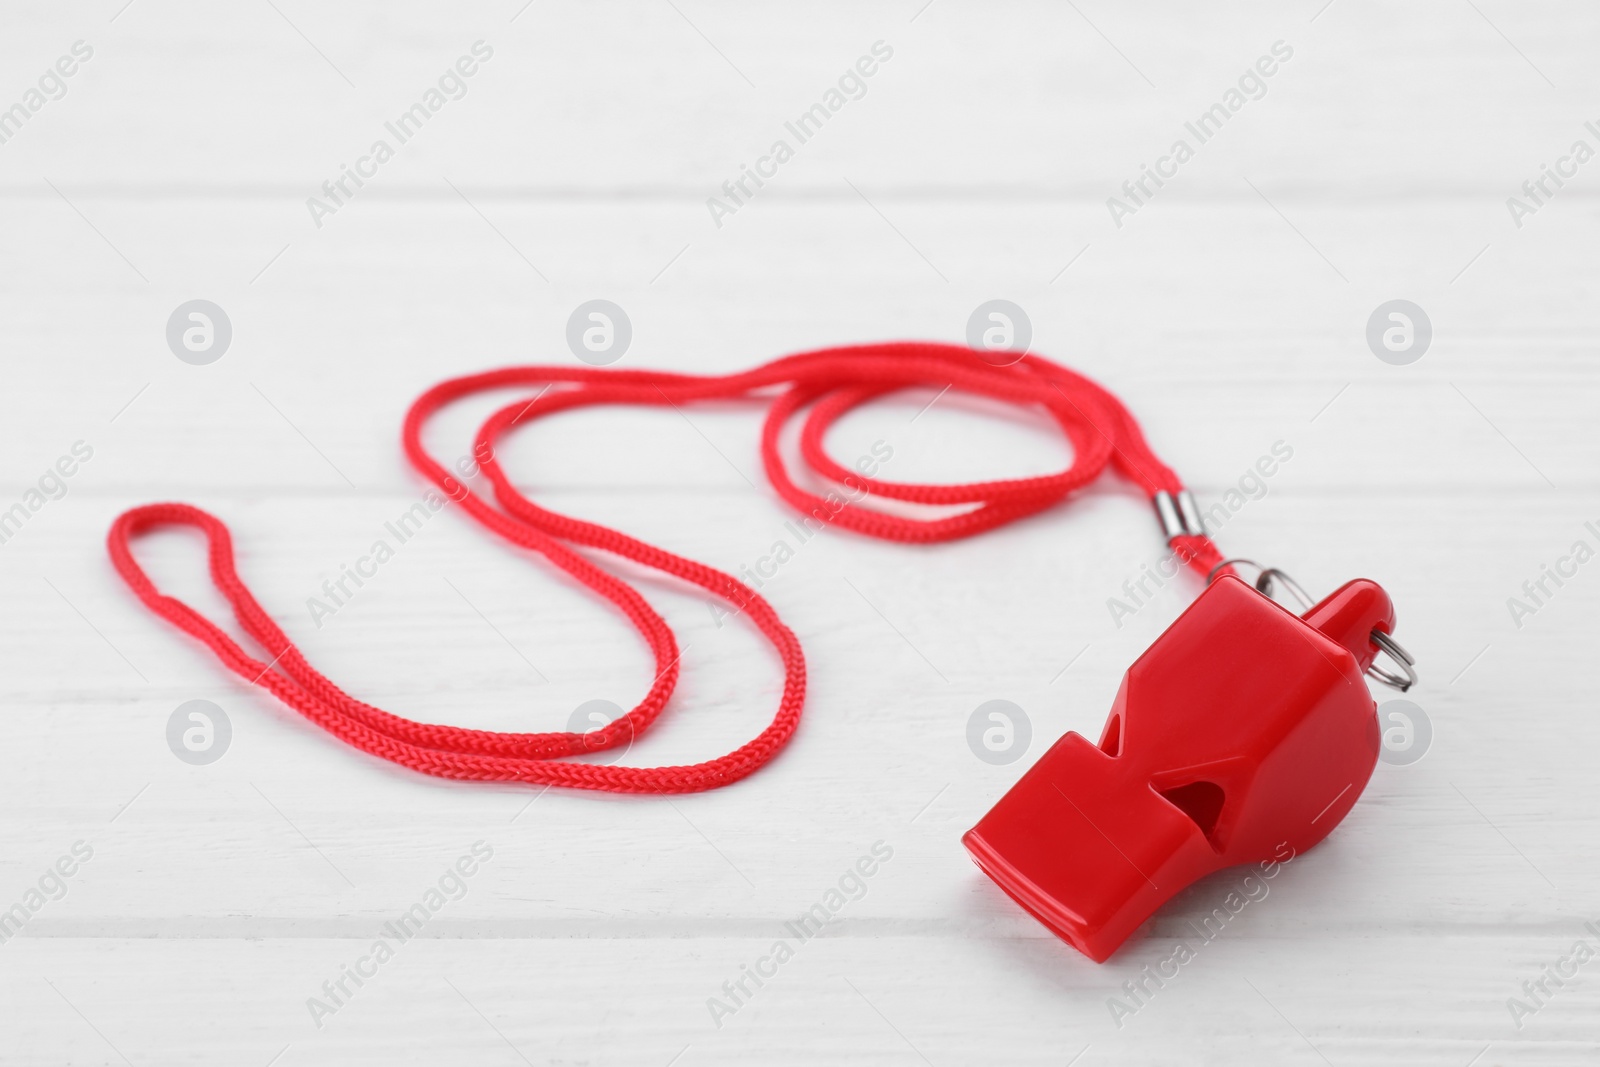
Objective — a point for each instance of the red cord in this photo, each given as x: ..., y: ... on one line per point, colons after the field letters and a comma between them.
x: 832, y: 381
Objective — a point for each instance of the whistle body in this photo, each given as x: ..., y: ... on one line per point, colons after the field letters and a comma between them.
x: 1243, y: 727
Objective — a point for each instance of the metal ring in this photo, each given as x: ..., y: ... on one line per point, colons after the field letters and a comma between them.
x: 1211, y: 576
x: 1388, y: 644
x: 1264, y: 585
x: 1264, y: 580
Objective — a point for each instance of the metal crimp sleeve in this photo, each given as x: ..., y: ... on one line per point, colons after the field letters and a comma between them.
x: 1179, y: 516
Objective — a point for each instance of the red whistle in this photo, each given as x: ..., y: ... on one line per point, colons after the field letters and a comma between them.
x: 1241, y: 728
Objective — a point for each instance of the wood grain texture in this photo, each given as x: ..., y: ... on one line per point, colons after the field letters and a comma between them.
x: 1229, y: 312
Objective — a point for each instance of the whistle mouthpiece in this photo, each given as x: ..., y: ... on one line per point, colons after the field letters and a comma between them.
x: 1242, y: 734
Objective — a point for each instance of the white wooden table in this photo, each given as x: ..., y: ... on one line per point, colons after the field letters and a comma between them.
x: 1229, y: 311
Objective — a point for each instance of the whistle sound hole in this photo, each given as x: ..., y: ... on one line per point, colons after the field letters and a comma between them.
x: 1201, y: 801
x: 1111, y: 743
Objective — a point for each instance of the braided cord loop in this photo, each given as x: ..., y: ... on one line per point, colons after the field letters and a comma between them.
x: 824, y: 385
